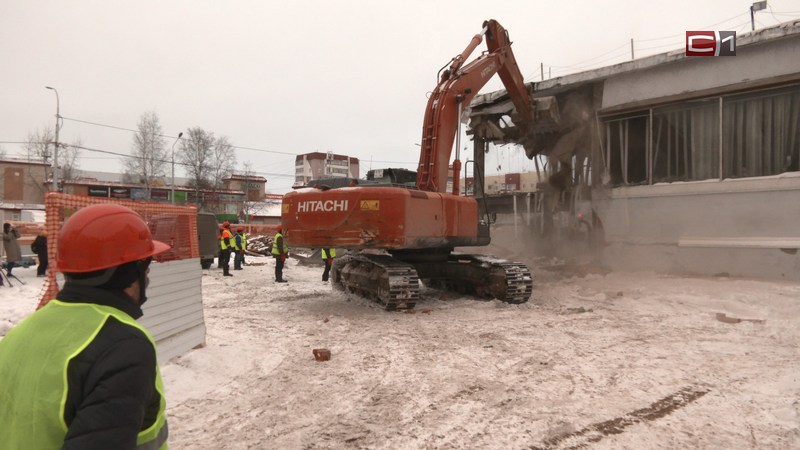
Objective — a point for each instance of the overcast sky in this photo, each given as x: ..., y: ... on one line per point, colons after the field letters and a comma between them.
x: 291, y: 77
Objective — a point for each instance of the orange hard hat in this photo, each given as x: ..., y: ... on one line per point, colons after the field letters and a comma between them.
x: 103, y: 236
x: 239, y: 229
x: 280, y: 228
x: 226, y: 224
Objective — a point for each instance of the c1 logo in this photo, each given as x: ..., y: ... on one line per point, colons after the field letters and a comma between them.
x: 710, y: 43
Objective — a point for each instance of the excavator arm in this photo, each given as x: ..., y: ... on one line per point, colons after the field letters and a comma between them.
x: 458, y: 84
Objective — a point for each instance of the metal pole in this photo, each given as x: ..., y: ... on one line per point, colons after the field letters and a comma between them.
x: 755, y: 7
x: 172, y: 185
x: 55, y: 150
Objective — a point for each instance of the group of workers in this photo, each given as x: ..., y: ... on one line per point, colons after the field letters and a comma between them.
x: 231, y: 242
x: 81, y: 372
x: 236, y: 243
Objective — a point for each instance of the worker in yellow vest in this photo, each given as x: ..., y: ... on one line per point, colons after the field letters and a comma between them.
x: 240, y: 243
x: 244, y: 244
x: 280, y: 251
x: 226, y: 245
x: 327, y: 255
x: 81, y: 372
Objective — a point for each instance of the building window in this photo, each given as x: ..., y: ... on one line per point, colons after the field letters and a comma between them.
x: 626, y: 144
x: 686, y: 141
x: 761, y: 133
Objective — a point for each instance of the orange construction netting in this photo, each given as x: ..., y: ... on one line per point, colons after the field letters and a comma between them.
x: 174, y: 225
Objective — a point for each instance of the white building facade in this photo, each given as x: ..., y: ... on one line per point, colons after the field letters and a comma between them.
x: 692, y: 164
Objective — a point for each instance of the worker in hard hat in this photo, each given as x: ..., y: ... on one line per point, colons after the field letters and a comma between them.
x: 280, y: 251
x: 81, y: 372
x: 226, y: 245
x: 239, y: 245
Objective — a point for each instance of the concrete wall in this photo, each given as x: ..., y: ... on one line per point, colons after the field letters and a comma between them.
x: 174, y: 310
x: 752, y: 62
x: 22, y: 182
x: 747, y: 227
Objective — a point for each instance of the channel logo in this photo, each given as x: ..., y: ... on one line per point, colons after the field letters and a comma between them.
x: 710, y: 43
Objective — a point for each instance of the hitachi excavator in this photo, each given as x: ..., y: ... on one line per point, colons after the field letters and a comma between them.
x: 400, y: 234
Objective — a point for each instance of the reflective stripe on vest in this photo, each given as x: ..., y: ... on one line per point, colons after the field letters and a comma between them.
x: 330, y: 253
x: 244, y: 241
x: 35, y: 393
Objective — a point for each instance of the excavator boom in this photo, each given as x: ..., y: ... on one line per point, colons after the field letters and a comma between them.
x: 457, y: 86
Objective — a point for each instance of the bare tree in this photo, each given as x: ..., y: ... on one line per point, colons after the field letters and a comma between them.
x: 149, y: 152
x: 39, y: 144
x: 195, y: 154
x: 68, y: 159
x: 223, y: 160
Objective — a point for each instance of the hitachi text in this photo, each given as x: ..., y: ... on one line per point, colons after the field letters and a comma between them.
x: 327, y: 205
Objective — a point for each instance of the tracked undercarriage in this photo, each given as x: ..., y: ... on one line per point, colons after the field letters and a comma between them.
x: 394, y: 283
x: 382, y: 278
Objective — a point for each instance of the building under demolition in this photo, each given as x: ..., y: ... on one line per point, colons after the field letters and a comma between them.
x: 676, y: 163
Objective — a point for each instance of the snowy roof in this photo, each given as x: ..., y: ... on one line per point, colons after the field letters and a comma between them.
x: 269, y: 208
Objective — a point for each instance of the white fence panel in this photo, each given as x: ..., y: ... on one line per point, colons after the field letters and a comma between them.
x: 173, y: 313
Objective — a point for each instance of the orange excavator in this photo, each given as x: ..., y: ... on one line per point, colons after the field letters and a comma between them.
x: 400, y: 234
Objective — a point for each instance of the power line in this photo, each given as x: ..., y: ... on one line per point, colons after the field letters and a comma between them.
x: 108, y: 152
x: 581, y: 65
x: 102, y: 125
x: 171, y: 137
x: 239, y: 147
x: 123, y: 155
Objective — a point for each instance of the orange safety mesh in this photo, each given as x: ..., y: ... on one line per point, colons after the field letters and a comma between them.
x: 174, y: 225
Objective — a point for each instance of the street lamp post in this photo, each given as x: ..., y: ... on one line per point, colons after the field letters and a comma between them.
x: 173, y: 167
x: 55, y: 150
x: 757, y: 6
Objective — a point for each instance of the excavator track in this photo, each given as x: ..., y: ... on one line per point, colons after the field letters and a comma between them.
x: 484, y: 276
x: 390, y: 282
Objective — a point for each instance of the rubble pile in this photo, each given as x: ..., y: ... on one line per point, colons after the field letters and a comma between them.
x: 261, y: 245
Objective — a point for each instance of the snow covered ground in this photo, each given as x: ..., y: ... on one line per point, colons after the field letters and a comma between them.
x: 622, y: 360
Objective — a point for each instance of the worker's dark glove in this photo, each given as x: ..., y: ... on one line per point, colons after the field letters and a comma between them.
x: 283, y: 257
x: 330, y: 260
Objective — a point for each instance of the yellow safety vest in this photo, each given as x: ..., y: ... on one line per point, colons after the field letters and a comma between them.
x: 34, y: 394
x: 275, y: 249
x: 222, y: 240
x: 332, y: 253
